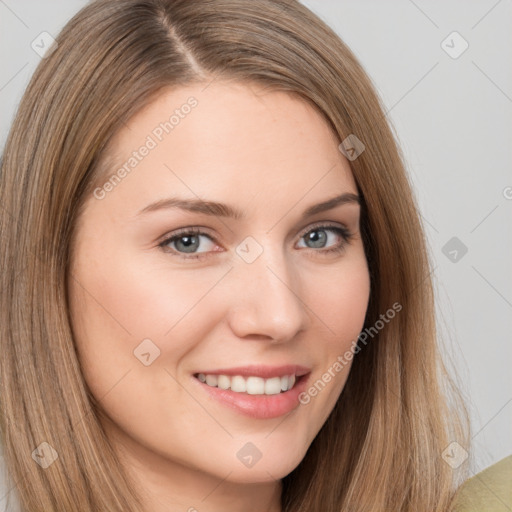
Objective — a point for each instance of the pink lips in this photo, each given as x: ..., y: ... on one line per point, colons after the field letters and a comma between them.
x: 258, y: 406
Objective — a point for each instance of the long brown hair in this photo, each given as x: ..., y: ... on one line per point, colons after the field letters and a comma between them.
x: 381, y: 447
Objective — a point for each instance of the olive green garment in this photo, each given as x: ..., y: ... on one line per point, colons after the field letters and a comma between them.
x: 488, y: 491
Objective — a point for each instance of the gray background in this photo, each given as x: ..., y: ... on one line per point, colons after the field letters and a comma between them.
x: 453, y: 119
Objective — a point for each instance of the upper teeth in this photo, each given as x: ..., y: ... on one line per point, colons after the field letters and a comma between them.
x: 250, y: 385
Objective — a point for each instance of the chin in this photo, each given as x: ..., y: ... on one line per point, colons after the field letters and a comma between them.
x: 266, y: 469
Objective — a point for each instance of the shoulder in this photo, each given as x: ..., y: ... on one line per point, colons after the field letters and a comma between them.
x: 487, y: 491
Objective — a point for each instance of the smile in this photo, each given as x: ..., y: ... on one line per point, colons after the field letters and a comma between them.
x: 251, y: 385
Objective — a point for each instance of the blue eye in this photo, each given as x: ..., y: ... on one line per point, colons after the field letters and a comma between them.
x: 318, y: 237
x: 184, y: 243
x: 187, y: 241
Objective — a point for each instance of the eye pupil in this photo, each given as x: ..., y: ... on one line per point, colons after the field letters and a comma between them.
x: 191, y: 243
x: 318, y: 237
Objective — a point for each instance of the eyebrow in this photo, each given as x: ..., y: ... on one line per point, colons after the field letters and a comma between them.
x: 224, y: 210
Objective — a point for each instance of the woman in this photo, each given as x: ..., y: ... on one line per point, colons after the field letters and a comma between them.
x: 224, y: 297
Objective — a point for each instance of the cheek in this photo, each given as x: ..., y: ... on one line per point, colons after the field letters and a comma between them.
x: 118, y: 302
x: 131, y: 299
x: 340, y: 300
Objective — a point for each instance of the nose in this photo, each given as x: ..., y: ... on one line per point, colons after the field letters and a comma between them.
x: 265, y: 299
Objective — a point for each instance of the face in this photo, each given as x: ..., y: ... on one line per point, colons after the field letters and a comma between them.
x: 169, y: 289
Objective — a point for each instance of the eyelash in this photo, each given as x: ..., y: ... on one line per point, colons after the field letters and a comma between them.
x: 343, y: 232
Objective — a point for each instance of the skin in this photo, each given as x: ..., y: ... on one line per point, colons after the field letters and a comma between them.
x: 271, y: 155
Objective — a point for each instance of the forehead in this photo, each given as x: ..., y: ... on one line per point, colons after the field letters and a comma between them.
x: 226, y: 139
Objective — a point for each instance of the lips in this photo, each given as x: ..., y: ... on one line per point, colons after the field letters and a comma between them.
x: 271, y: 403
x: 258, y: 391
